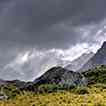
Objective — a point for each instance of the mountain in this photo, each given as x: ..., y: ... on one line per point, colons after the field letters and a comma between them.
x: 58, y: 76
x: 80, y: 61
x: 56, y: 79
x: 98, y: 59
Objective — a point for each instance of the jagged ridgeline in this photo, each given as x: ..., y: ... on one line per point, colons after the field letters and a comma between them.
x: 98, y: 59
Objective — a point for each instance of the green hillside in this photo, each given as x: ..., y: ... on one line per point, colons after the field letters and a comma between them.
x: 96, y: 75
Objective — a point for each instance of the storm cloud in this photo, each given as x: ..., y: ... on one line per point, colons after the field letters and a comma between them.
x: 49, y: 23
x: 61, y: 29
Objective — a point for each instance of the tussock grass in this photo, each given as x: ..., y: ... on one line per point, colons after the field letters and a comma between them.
x: 94, y: 95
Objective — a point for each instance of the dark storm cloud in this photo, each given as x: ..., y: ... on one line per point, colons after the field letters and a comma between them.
x: 42, y: 22
x: 49, y: 24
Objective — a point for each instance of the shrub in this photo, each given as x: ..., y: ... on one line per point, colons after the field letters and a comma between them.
x: 81, y: 90
x: 10, y: 90
x: 96, y: 75
x: 47, y: 88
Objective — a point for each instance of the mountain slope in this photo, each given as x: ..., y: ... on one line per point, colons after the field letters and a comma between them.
x: 80, y: 61
x: 57, y: 76
x: 96, y: 75
x: 98, y: 59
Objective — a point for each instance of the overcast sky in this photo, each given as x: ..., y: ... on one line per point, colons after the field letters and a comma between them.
x: 48, y: 28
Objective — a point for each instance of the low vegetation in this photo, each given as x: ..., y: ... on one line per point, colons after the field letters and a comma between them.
x: 96, y: 75
x: 94, y: 94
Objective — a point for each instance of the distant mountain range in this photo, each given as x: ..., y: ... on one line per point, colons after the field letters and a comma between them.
x: 77, y: 64
x: 98, y: 59
x: 65, y: 77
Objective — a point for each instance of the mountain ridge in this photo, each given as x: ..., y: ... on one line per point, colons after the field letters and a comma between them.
x: 98, y: 59
x: 76, y: 64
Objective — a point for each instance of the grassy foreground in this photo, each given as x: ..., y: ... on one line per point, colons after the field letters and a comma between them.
x: 94, y: 95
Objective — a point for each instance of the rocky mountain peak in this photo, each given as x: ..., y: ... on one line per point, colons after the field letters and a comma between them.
x: 98, y: 59
x: 104, y: 45
x: 76, y: 64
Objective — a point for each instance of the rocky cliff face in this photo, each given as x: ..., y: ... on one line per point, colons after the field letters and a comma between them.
x: 80, y: 61
x: 98, y: 59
